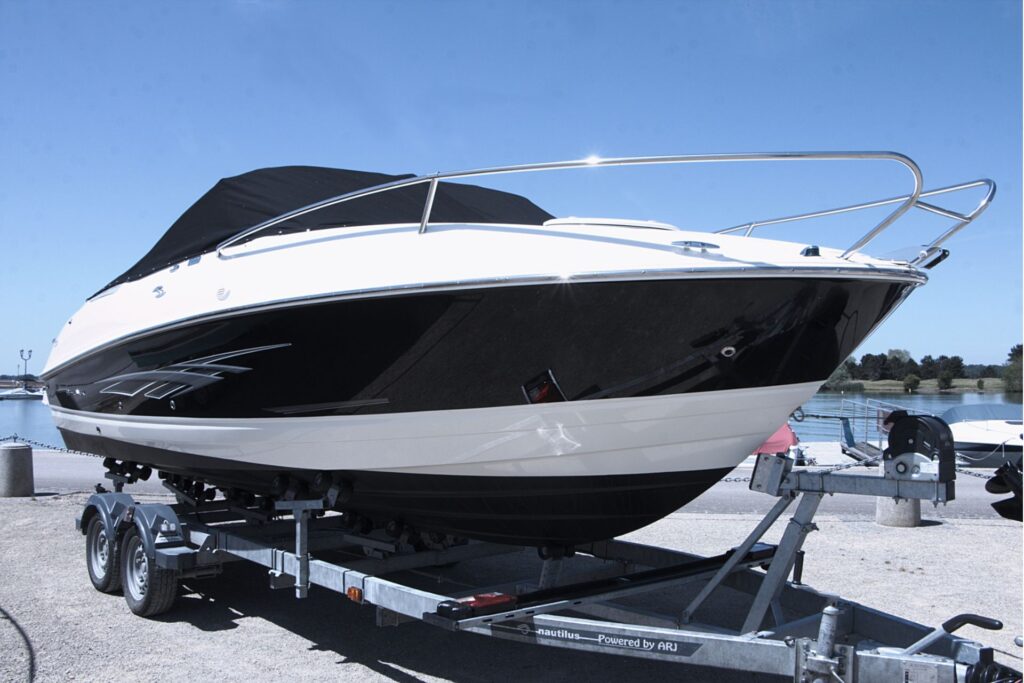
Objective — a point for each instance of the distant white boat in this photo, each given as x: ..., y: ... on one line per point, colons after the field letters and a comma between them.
x: 986, y: 434
x: 21, y: 394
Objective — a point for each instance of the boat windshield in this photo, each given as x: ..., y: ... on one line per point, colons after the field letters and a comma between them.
x: 984, y: 411
x: 243, y: 201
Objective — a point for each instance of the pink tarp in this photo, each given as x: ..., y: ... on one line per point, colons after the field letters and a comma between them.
x: 780, y: 441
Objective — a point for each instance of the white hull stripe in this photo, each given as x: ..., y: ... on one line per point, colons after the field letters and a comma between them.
x: 669, y: 433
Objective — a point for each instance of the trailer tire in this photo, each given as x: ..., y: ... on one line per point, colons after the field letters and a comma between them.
x: 148, y: 589
x: 102, y: 557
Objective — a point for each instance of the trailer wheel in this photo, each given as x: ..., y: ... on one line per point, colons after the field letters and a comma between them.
x: 148, y: 589
x: 102, y: 558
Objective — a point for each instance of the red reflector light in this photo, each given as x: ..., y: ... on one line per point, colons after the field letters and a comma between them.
x: 488, y: 600
x: 543, y: 389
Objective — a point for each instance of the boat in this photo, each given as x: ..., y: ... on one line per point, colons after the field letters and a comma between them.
x: 443, y: 360
x: 22, y: 393
x: 987, y: 434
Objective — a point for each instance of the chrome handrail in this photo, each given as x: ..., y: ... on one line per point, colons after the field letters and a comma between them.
x: 907, y: 201
x: 962, y: 219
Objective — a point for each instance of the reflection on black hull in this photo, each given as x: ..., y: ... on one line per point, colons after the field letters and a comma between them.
x: 540, y: 511
x: 481, y: 348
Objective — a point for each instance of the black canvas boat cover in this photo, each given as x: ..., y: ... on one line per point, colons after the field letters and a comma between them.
x: 240, y: 202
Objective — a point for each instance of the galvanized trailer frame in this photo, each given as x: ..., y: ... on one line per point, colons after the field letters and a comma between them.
x: 789, y: 630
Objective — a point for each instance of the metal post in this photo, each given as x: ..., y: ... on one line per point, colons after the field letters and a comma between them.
x: 798, y: 569
x: 429, y: 206
x: 302, y: 552
x: 793, y: 538
x: 300, y: 510
x: 738, y: 554
x: 549, y: 572
x: 827, y: 631
x: 24, y: 374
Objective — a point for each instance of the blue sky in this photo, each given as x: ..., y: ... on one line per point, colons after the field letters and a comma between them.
x: 114, y: 117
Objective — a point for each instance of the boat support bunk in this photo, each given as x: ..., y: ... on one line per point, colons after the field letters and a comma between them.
x: 788, y: 628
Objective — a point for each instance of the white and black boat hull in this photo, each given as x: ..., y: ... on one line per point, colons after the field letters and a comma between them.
x: 542, y: 414
x: 555, y: 473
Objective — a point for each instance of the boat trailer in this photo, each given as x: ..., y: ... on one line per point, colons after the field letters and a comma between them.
x: 784, y: 628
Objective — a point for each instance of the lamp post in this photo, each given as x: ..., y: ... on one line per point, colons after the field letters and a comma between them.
x: 24, y: 358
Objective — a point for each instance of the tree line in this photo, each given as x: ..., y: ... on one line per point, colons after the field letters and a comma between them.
x: 899, y: 365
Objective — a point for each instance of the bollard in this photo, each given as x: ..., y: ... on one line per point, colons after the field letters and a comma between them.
x: 902, y: 512
x: 16, y: 478
x: 892, y: 512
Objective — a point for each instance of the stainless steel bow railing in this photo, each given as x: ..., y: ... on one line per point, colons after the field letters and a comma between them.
x: 904, y: 202
x: 962, y: 220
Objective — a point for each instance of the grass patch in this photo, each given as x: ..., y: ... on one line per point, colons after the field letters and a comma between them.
x: 993, y: 385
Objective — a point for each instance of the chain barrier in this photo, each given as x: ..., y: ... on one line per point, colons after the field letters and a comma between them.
x: 46, y: 446
x: 735, y: 480
x: 963, y: 470
x: 979, y: 475
x: 731, y: 480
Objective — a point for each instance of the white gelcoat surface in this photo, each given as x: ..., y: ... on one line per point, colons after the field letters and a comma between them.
x: 994, y: 432
x: 390, y: 259
x: 671, y: 433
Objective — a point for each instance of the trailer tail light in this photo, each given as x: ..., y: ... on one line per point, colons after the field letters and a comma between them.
x: 354, y: 594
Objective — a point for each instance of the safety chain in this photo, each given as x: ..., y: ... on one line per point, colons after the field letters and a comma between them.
x: 862, y: 463
x: 824, y: 470
x: 846, y: 466
x: 46, y: 446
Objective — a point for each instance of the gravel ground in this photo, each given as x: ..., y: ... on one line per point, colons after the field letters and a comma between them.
x: 233, y: 627
x: 52, y: 623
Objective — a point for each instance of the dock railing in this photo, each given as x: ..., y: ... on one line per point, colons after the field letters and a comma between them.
x: 859, y: 426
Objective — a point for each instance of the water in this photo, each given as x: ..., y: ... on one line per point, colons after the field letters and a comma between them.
x: 28, y: 419
x: 829, y: 403
x: 31, y: 419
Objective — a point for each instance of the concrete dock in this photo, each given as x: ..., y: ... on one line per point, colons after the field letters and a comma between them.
x: 962, y: 559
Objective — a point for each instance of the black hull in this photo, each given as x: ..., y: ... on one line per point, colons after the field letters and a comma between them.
x: 454, y: 350
x: 480, y: 348
x: 550, y: 511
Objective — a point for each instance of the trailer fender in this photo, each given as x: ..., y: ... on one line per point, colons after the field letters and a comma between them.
x: 109, y: 506
x: 157, y: 524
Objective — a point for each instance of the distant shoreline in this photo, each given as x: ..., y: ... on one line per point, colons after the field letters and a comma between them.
x: 14, y: 383
x: 993, y: 385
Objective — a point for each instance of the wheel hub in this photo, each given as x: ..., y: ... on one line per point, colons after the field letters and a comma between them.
x: 138, y: 572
